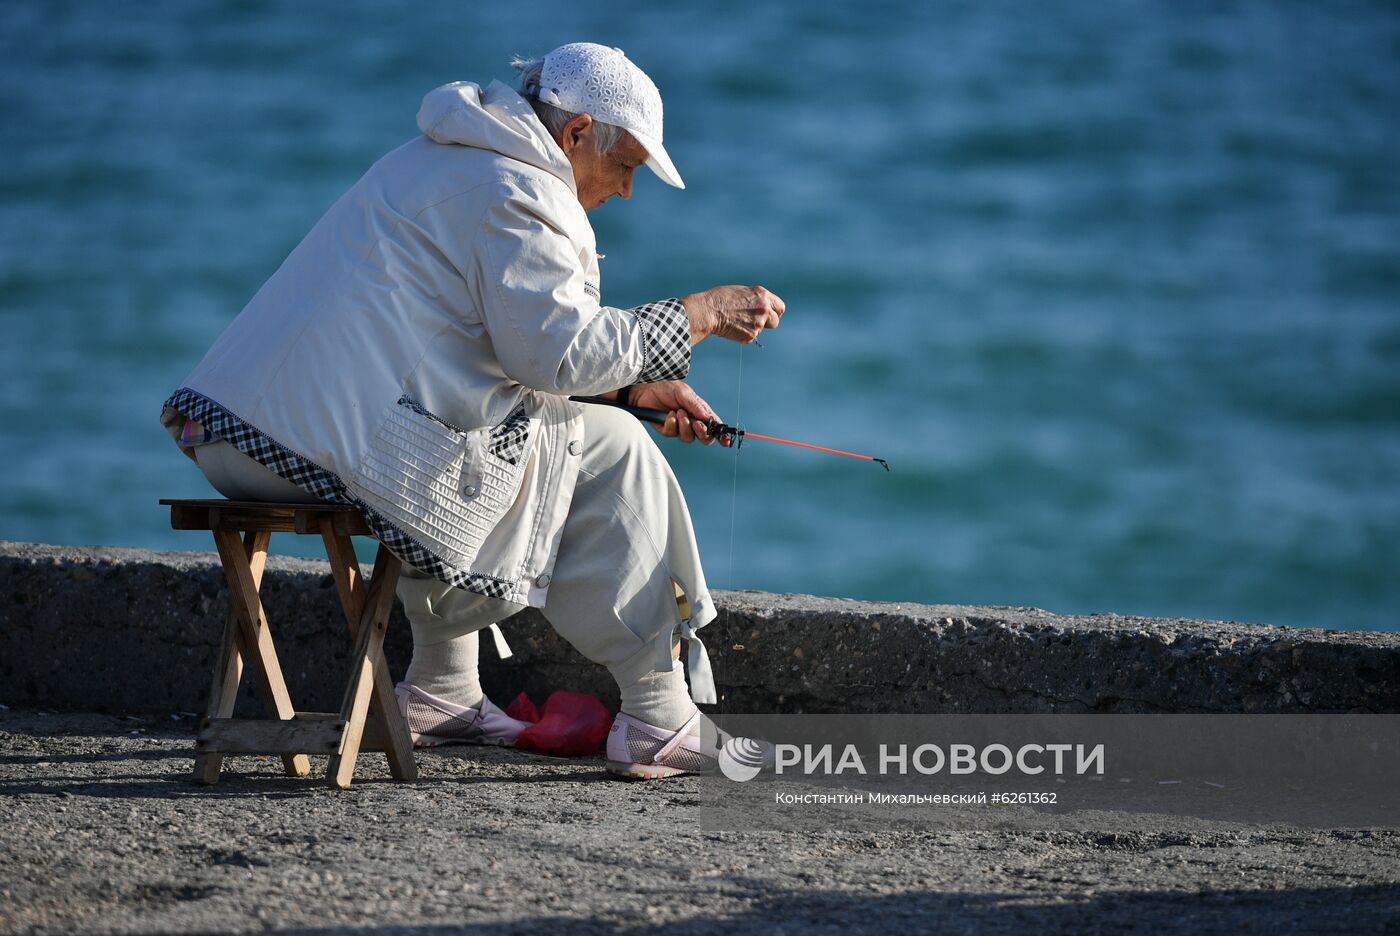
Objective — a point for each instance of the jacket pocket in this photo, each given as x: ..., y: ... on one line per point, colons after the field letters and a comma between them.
x: 443, y: 483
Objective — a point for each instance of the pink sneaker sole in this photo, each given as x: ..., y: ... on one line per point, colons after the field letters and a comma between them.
x: 434, y: 741
x: 630, y: 771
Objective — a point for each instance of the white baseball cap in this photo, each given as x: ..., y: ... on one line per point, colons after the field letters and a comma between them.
x: 587, y: 78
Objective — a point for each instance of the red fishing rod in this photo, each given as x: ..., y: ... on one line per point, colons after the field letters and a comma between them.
x: 731, y: 436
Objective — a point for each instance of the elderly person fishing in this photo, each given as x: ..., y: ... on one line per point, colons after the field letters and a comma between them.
x: 414, y: 356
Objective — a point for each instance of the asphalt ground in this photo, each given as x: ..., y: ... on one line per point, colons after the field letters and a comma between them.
x: 101, y: 832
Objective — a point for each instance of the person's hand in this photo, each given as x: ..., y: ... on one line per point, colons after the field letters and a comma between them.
x: 739, y: 313
x: 688, y: 413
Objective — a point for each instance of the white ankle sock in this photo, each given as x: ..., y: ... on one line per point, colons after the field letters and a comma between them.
x: 448, y: 669
x: 659, y: 699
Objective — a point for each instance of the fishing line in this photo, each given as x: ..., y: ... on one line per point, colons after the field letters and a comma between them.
x: 733, y: 511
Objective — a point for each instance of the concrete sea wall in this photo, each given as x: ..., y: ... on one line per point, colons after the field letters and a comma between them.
x: 126, y: 630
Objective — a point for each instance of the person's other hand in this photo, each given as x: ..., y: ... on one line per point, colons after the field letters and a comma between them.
x: 688, y: 413
x: 739, y: 313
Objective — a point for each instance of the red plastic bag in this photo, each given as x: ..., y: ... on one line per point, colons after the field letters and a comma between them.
x: 571, y: 724
x: 522, y: 709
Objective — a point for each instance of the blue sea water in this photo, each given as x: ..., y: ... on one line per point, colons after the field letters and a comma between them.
x: 1114, y: 287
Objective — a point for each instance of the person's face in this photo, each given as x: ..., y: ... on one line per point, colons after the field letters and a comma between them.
x: 600, y: 176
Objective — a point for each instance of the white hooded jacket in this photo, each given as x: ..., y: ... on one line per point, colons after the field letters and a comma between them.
x: 413, y: 355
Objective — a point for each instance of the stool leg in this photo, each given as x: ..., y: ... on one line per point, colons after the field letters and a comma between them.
x: 228, y: 669
x: 398, y: 746
x: 349, y: 583
x: 261, y: 655
x: 368, y: 657
x: 384, y: 709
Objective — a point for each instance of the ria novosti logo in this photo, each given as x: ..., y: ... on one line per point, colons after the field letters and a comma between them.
x: 742, y: 759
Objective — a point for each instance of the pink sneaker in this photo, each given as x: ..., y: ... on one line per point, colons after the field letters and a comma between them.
x: 640, y: 751
x: 433, y: 721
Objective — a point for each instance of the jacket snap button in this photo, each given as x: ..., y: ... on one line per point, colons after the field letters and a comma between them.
x: 468, y: 490
x: 542, y: 579
x: 574, y: 447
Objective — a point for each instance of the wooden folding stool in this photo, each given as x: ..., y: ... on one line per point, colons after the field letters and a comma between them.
x: 369, y: 717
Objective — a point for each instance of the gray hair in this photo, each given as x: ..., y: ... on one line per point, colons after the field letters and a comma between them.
x: 554, y: 118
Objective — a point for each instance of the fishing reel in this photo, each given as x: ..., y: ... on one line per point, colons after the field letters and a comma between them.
x: 728, y: 436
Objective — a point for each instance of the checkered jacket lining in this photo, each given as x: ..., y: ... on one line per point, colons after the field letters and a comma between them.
x: 328, y: 486
x: 510, y: 439
x: 665, y: 340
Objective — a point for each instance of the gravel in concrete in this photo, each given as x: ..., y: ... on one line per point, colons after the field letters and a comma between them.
x: 102, y: 833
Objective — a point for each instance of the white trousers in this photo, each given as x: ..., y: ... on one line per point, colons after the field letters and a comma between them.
x: 628, y: 536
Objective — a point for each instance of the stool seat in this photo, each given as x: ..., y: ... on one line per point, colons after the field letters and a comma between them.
x: 220, y: 514
x: 369, y: 717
